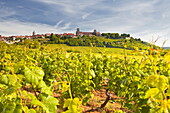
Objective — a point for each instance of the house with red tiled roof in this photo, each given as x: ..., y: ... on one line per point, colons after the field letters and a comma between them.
x: 19, y: 36
x: 68, y: 34
x: 4, y: 38
x: 48, y: 34
x: 28, y: 37
x: 39, y: 36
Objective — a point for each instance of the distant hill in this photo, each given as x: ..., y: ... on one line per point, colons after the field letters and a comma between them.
x: 121, y: 41
x: 166, y: 47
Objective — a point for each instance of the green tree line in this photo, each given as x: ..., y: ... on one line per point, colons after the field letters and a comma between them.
x: 96, y: 41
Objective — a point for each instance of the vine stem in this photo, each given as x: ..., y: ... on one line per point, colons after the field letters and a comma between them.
x: 107, y: 99
x: 70, y: 89
x: 69, y: 79
x: 34, y: 91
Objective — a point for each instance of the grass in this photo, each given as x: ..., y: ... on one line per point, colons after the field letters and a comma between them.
x: 85, y: 49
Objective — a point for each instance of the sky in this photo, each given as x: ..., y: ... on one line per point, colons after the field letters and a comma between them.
x: 145, y: 19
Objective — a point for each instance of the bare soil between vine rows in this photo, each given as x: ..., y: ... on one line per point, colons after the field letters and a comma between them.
x: 99, y: 97
x: 93, y: 106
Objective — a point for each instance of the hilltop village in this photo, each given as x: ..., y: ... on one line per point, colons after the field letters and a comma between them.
x: 80, y: 38
x: 15, y: 39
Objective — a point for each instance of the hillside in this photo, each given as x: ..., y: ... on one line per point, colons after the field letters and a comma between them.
x: 86, y: 49
x: 102, y: 41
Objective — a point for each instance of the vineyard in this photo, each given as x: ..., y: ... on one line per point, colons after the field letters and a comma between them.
x: 44, y: 81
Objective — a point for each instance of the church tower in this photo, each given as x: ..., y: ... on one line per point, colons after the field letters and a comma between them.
x: 33, y: 33
x: 77, y: 32
x: 95, y: 32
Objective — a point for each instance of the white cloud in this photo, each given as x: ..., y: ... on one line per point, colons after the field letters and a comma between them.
x: 66, y: 26
x: 14, y: 27
x: 134, y: 6
x: 71, y: 3
x: 86, y: 15
x: 152, y: 34
x: 73, y: 7
x: 6, y: 11
x: 58, y: 23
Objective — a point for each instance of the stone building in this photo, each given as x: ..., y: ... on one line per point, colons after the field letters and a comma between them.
x: 94, y: 33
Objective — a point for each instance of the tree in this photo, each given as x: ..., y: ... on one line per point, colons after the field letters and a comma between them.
x: 52, y: 37
x: 124, y: 35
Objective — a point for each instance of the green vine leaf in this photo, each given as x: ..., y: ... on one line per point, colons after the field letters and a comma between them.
x: 50, y: 102
x: 153, y: 93
x: 10, y: 108
x: 73, y: 105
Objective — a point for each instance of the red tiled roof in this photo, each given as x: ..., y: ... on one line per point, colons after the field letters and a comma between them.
x: 70, y: 33
x: 4, y: 37
x: 66, y: 34
x: 28, y: 36
x: 19, y: 36
x: 48, y: 34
